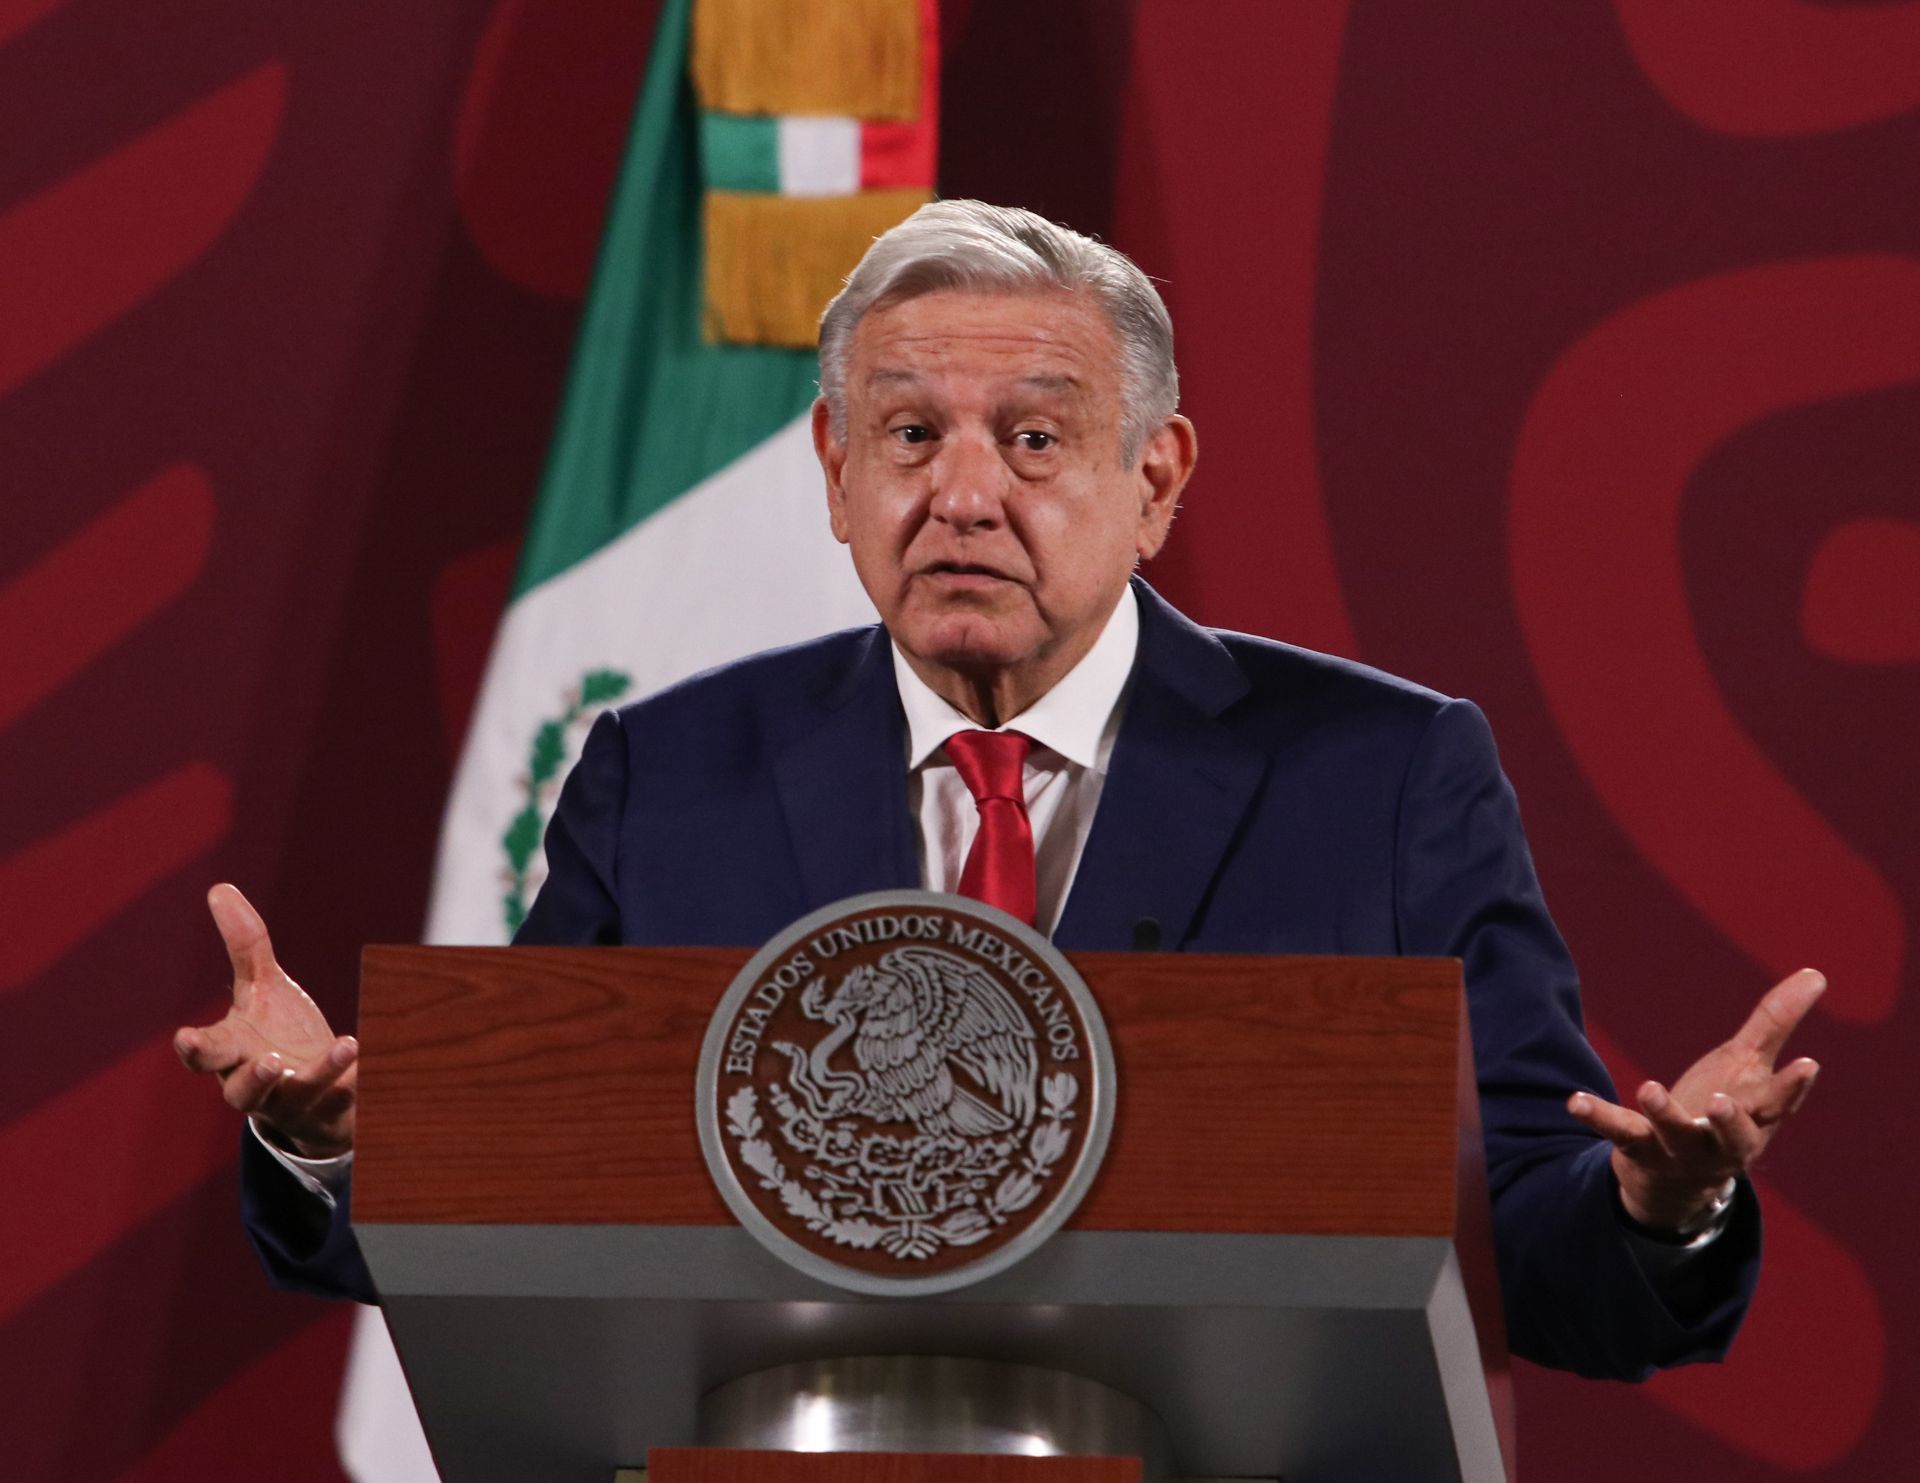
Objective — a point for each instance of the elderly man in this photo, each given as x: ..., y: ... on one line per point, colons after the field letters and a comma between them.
x: 998, y: 432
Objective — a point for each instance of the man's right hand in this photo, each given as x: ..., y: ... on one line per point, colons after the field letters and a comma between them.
x: 276, y: 1058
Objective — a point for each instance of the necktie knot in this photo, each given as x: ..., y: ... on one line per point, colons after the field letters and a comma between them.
x: 991, y: 763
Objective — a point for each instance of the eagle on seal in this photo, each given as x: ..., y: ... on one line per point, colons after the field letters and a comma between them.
x: 914, y: 1017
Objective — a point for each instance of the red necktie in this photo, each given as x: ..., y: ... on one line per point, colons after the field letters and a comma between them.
x: 999, y: 869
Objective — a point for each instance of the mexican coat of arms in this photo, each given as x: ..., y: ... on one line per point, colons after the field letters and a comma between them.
x: 905, y: 1092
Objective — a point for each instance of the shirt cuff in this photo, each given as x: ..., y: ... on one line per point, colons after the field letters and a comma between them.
x: 323, y: 1178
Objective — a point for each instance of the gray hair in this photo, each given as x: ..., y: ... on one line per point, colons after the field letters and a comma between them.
x: 971, y: 246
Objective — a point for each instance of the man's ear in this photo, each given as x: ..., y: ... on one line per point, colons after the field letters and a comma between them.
x: 1166, y: 463
x: 833, y: 461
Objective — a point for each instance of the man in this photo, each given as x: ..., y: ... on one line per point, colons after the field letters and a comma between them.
x: 998, y: 433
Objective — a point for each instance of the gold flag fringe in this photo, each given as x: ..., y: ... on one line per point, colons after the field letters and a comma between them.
x: 773, y: 262
x: 842, y: 58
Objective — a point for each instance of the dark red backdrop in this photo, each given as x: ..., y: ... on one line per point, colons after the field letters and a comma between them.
x: 1564, y: 356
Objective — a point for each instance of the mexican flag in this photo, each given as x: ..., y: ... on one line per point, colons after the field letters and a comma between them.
x: 681, y: 520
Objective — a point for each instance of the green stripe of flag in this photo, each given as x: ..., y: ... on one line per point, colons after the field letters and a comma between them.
x: 740, y: 151
x: 650, y: 408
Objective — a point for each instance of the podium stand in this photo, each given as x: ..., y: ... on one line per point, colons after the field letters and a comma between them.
x: 1285, y: 1256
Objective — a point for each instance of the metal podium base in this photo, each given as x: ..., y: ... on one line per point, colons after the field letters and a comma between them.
x: 919, y: 1403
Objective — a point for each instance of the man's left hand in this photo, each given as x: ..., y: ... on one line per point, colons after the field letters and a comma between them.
x: 1674, y: 1156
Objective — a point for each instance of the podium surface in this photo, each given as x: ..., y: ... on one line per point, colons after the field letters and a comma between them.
x: 1283, y: 1253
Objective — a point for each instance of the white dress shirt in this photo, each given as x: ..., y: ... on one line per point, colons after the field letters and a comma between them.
x: 1073, y: 727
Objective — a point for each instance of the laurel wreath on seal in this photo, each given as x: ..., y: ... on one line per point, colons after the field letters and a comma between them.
x: 538, y: 785
x: 910, y: 1235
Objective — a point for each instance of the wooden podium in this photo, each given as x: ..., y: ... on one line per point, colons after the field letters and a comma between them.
x: 1285, y: 1256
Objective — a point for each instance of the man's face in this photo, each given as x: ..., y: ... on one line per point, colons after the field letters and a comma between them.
x: 981, y: 486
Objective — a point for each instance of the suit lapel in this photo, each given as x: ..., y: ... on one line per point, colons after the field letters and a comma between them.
x: 1178, y: 788
x: 843, y: 786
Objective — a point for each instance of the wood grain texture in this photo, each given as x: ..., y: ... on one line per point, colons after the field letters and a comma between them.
x: 723, y: 1465
x: 556, y: 1085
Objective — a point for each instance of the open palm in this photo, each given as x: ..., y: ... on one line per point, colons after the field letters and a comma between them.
x: 1680, y: 1148
x: 274, y: 1054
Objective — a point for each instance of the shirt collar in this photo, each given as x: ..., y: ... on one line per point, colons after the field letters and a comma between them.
x: 1069, y: 719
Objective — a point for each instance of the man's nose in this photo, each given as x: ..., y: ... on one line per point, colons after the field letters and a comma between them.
x: 969, y: 484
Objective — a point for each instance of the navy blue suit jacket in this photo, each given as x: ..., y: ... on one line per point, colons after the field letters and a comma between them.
x: 1261, y: 798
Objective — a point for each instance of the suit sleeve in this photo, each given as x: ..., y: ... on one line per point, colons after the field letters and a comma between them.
x: 307, y: 1246
x: 1576, y: 1297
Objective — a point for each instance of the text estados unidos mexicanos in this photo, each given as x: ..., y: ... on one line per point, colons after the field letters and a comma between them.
x: 744, y: 1042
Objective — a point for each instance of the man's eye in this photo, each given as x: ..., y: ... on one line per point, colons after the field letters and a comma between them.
x: 912, y: 432
x: 1035, y: 441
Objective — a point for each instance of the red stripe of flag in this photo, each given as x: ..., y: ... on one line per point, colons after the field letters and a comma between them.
x: 903, y: 156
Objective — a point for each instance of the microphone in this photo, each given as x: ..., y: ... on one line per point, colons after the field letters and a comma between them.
x: 1146, y: 935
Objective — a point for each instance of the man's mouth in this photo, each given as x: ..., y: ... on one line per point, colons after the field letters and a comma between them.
x: 964, y: 570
